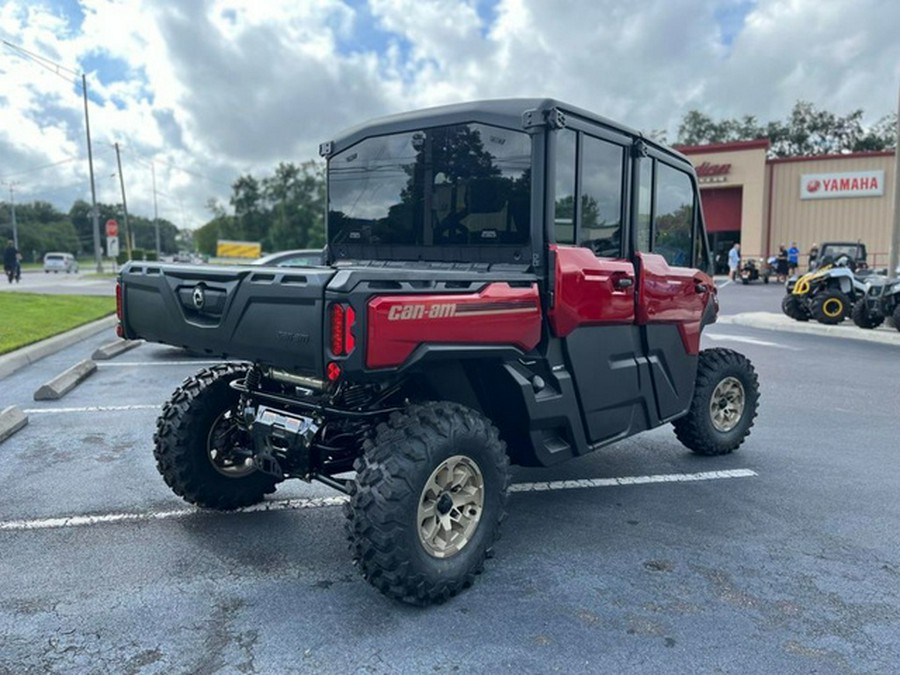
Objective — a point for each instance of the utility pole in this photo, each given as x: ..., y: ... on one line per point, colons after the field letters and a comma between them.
x: 155, y: 211
x: 55, y: 68
x: 895, y: 238
x: 124, y: 203
x: 12, y: 206
x: 87, y: 125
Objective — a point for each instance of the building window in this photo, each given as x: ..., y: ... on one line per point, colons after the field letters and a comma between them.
x: 674, y: 220
x: 564, y: 218
x: 601, y: 197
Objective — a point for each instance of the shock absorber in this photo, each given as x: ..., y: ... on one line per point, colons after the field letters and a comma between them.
x: 251, y: 383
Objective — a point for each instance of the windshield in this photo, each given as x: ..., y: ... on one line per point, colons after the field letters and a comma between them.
x: 468, y: 184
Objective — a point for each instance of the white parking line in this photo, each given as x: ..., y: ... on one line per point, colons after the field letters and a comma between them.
x: 320, y: 502
x: 145, y: 364
x: 749, y: 341
x: 93, y: 408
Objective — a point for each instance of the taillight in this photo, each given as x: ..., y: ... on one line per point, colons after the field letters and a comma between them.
x: 338, y: 330
x: 341, y: 319
x: 120, y: 330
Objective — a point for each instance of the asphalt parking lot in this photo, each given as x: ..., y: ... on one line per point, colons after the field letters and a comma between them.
x: 782, y: 557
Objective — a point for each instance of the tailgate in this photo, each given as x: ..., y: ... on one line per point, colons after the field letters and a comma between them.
x: 270, y: 315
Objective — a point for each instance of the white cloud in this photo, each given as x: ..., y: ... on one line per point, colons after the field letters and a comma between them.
x: 222, y: 87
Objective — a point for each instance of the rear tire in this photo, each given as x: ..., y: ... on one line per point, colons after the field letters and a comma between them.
x: 429, y: 496
x: 726, y: 397
x: 194, y: 435
x: 830, y: 307
x: 794, y: 307
x: 895, y: 317
x: 862, y: 318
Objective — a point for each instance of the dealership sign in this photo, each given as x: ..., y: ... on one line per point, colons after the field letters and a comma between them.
x: 848, y: 184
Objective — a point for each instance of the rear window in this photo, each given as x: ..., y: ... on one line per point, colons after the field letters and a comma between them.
x: 466, y: 184
x: 54, y: 258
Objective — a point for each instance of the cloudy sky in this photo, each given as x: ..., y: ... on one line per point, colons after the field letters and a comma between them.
x: 208, y: 89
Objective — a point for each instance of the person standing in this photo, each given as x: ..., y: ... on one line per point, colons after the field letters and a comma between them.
x: 11, y: 264
x: 813, y: 256
x: 781, y: 264
x: 793, y: 258
x: 734, y: 261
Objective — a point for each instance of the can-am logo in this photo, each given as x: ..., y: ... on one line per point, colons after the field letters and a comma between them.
x: 836, y: 185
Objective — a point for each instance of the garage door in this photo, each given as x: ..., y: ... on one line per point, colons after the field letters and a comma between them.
x: 722, y: 208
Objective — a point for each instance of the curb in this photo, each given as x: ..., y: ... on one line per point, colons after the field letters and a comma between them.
x: 10, y: 363
x: 66, y: 381
x: 113, y: 349
x: 11, y: 420
x: 779, y: 322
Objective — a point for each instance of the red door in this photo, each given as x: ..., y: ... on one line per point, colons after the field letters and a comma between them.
x: 670, y: 310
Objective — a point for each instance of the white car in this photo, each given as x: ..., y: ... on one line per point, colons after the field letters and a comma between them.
x: 60, y: 262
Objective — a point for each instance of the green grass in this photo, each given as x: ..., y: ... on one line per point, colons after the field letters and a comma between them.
x: 29, y: 318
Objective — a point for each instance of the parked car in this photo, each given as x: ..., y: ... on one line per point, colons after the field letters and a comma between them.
x: 304, y: 257
x: 60, y: 262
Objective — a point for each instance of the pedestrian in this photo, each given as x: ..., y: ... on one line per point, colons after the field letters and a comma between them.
x: 781, y: 264
x: 793, y: 258
x: 813, y: 256
x: 11, y: 264
x: 734, y: 261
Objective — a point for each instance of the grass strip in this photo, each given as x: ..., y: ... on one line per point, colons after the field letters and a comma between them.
x: 29, y: 317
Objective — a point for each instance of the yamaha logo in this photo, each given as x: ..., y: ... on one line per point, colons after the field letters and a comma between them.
x: 199, y: 297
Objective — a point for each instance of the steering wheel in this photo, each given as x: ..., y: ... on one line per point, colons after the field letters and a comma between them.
x: 452, y: 233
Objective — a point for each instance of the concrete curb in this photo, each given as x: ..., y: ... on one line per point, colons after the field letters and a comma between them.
x: 11, y: 420
x: 66, y: 381
x: 10, y: 363
x: 113, y: 349
x: 779, y: 322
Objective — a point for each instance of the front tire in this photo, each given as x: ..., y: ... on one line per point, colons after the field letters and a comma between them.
x: 429, y: 496
x: 830, y: 307
x: 862, y: 318
x: 895, y: 317
x: 726, y: 397
x: 200, y: 448
x: 793, y: 306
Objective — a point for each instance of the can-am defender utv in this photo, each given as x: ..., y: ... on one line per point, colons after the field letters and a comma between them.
x: 514, y: 281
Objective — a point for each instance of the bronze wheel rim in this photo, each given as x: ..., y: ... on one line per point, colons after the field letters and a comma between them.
x: 726, y: 405
x: 450, y: 507
x: 223, y: 448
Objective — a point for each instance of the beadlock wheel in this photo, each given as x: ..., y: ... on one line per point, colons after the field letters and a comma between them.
x: 726, y: 405
x: 224, y: 448
x: 833, y: 307
x: 450, y: 506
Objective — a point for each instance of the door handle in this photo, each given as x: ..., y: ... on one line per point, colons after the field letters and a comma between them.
x: 700, y: 287
x: 623, y: 282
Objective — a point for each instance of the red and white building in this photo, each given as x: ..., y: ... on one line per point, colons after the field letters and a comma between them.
x: 763, y: 203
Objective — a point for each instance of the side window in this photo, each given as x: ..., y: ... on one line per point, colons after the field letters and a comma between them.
x: 564, y: 220
x: 645, y: 193
x: 601, y: 197
x: 674, y: 216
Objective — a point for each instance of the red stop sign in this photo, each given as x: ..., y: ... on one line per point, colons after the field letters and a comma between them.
x: 112, y: 228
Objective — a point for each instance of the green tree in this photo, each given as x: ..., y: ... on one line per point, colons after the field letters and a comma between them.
x: 808, y: 131
x: 296, y: 196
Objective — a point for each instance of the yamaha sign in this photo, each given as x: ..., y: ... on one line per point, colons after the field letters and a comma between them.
x: 847, y: 184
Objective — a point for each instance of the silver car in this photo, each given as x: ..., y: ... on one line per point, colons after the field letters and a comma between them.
x: 60, y: 262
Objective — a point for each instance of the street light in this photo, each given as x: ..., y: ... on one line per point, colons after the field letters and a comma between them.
x: 55, y: 68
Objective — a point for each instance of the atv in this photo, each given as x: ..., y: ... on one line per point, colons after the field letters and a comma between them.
x: 490, y: 296
x: 881, y: 300
x: 826, y: 294
x: 752, y: 270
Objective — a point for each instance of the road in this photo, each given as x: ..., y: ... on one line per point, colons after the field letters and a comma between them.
x: 61, y: 284
x: 789, y: 565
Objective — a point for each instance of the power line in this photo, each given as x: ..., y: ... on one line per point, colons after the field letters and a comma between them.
x: 45, y: 63
x: 39, y: 168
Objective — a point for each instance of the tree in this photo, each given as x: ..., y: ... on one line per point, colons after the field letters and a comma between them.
x: 296, y: 196
x: 807, y: 131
